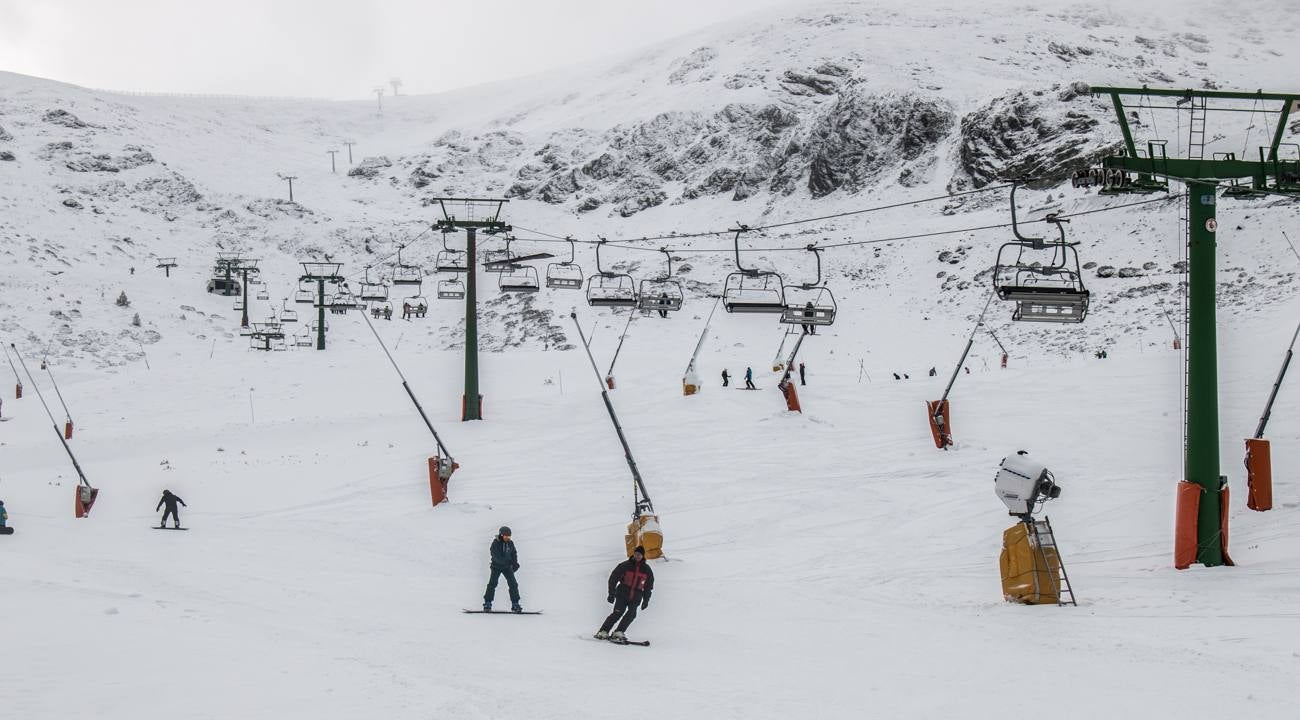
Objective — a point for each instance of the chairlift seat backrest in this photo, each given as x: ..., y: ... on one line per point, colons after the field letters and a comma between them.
x: 451, y: 290
x: 804, y: 315
x: 1056, y: 312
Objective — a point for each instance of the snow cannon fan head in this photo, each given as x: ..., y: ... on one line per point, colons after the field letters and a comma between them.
x: 504, y: 531
x: 1022, y: 483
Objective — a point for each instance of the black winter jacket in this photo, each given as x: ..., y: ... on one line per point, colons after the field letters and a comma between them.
x: 504, y: 556
x: 633, y: 580
x: 170, y: 501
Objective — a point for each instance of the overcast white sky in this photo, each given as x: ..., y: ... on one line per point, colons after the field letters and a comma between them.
x: 330, y: 48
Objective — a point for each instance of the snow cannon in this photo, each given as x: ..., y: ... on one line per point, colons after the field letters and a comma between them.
x: 644, y: 531
x: 690, y: 383
x: 1031, y: 569
x: 940, y: 423
x: 85, y: 498
x: 1259, y: 475
x: 1021, y: 483
x: 791, y: 397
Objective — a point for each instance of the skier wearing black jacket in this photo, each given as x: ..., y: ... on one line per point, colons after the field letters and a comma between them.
x: 170, y: 501
x: 505, y: 561
x: 629, y: 585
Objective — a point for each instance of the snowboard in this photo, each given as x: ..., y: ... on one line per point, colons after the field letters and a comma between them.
x: 6, y: 530
x: 638, y: 643
x: 155, y: 527
x: 745, y: 388
x: 502, y: 612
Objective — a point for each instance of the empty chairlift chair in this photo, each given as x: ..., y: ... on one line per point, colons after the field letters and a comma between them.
x: 610, y: 289
x: 287, y: 315
x: 404, y: 274
x: 306, y: 294
x: 451, y: 290
x: 565, y: 275
x: 809, y: 304
x: 749, y: 290
x: 663, y: 294
x: 449, y: 260
x: 375, y: 291
x: 522, y: 278
x: 1044, y: 279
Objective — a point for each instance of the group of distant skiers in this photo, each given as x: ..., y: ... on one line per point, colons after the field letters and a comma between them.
x: 630, y: 585
x: 749, y: 377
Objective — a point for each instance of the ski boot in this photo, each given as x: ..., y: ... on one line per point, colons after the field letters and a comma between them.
x: 516, y: 608
x: 487, y: 607
x: 602, y: 635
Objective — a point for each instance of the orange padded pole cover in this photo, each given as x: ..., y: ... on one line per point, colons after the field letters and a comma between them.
x: 940, y: 426
x: 1259, y: 475
x: 67, y: 430
x: 1223, y: 525
x: 1189, y: 503
x: 18, y: 392
x: 791, y: 397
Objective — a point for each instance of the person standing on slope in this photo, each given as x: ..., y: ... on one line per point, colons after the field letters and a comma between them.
x: 749, y: 379
x: 630, y: 585
x: 803, y: 380
x: 505, y: 561
x: 170, y: 501
x: 4, y: 519
x: 726, y: 377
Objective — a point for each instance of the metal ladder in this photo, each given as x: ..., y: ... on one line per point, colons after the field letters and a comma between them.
x: 1041, y: 530
x: 1195, y: 151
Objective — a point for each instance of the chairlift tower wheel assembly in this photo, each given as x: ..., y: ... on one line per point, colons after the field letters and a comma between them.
x: 1202, y: 498
x: 480, y: 214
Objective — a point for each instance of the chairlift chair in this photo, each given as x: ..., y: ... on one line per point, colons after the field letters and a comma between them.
x: 565, y: 275
x: 610, y: 289
x: 523, y: 279
x: 765, y: 292
x: 451, y: 261
x: 662, y: 293
x: 306, y: 294
x: 1047, y: 290
x: 451, y: 290
x: 373, y: 290
x: 287, y: 315
x: 404, y: 274
x: 262, y: 292
x: 811, y: 303
x: 303, y: 339
x: 239, y: 303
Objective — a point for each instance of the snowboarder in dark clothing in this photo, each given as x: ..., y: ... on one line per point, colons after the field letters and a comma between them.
x: 630, y: 585
x: 749, y: 379
x: 896, y: 377
x: 4, y: 518
x: 505, y: 561
x: 933, y: 371
x: 802, y: 380
x: 663, y: 301
x: 170, y: 501
x: 726, y: 377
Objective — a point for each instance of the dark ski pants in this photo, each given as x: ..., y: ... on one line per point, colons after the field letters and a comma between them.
x: 511, y: 583
x: 623, y: 608
x: 802, y: 381
x: 725, y: 381
x: 171, y: 512
x: 749, y: 384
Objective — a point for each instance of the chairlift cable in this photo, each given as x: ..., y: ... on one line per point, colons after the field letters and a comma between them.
x: 407, y: 387
x: 54, y: 423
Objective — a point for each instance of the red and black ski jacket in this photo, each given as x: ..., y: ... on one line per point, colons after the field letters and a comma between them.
x: 632, y: 579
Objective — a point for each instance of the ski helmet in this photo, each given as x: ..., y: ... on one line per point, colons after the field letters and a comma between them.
x: 504, y: 531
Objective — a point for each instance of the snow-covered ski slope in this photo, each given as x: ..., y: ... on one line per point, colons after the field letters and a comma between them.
x: 831, y: 563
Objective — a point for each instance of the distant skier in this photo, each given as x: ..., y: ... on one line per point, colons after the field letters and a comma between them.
x: 4, y: 519
x: 726, y: 377
x: 809, y: 313
x: 896, y: 377
x: 629, y: 585
x: 505, y: 561
x: 933, y: 371
x: 803, y: 380
x: 749, y: 379
x: 170, y: 501
x: 663, y: 304
x: 132, y: 271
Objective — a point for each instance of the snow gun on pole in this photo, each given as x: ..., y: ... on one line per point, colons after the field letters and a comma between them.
x: 86, y: 494
x: 1001, y: 347
x: 940, y: 420
x: 1259, y: 460
x: 442, y: 464
x: 67, y: 426
x: 644, y: 529
x: 609, y: 374
x: 18, y: 386
x: 691, y: 381
x: 786, y: 386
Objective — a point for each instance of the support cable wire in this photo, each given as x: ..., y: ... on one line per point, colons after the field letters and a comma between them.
x: 442, y: 448
x: 54, y: 423
x: 639, y: 494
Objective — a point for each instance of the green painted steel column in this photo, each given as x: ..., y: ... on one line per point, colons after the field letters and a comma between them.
x: 320, y: 313
x: 471, y: 400
x: 1202, y: 370
x: 244, y: 321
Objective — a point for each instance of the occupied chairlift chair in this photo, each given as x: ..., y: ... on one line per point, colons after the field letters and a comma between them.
x: 565, y: 275
x: 610, y: 289
x: 404, y: 274
x: 663, y: 293
x: 811, y: 303
x: 1050, y: 291
x: 749, y: 290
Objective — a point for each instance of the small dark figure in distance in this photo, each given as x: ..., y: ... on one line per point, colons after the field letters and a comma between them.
x: 967, y: 369
x: 505, y: 561
x: 802, y: 379
x: 132, y: 271
x: 4, y: 519
x: 933, y: 372
x: 170, y: 501
x: 663, y: 304
x: 906, y: 376
x: 629, y: 585
x: 896, y: 377
x: 809, y: 313
x: 726, y: 377
x: 749, y: 378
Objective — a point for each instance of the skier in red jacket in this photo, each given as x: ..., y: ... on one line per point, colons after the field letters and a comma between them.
x: 629, y: 585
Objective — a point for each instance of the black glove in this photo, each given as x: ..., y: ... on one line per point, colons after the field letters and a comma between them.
x: 515, y: 568
x: 610, y: 599
x: 645, y: 603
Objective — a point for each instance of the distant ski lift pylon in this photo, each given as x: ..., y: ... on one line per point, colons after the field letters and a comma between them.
x: 565, y: 275
x: 1046, y: 290
x: 610, y: 289
x: 765, y: 292
x: 663, y: 293
x: 809, y: 304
